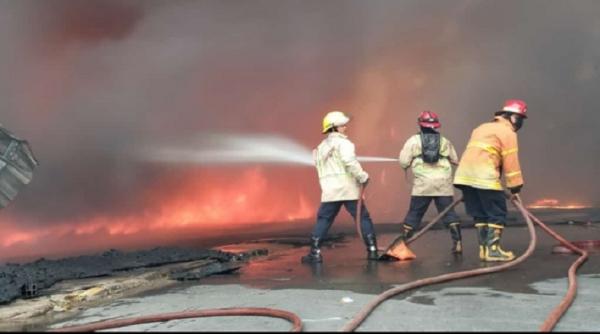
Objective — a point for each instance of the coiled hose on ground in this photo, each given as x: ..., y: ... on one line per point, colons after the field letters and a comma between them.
x: 355, y: 322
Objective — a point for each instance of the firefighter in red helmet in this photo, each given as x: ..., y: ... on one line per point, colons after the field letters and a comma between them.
x: 492, y: 151
x: 430, y: 157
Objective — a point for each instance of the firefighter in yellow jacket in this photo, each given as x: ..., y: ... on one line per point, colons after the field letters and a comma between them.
x: 340, y: 177
x: 430, y: 156
x: 492, y: 152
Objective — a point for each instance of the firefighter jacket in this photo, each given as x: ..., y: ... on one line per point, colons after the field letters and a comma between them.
x: 340, y: 174
x: 430, y: 179
x: 491, y: 152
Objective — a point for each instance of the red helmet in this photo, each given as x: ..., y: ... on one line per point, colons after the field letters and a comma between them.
x: 429, y: 119
x: 515, y: 106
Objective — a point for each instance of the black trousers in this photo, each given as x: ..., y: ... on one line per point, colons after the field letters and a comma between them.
x: 419, y: 205
x: 329, y: 210
x: 485, y: 206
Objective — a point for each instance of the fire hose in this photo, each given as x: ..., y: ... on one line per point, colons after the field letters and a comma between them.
x: 356, y: 321
x: 222, y: 312
x: 550, y: 321
x: 358, y: 217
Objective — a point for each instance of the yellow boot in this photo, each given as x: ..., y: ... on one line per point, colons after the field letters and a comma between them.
x: 493, y: 252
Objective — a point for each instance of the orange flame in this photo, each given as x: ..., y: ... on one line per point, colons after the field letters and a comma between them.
x: 248, y: 199
x: 552, y: 203
x: 199, y: 203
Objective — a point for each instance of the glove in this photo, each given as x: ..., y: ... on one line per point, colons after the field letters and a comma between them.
x: 364, y: 184
x: 516, y: 190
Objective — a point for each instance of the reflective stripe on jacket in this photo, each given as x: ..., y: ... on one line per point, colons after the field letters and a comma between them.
x: 340, y: 174
x: 429, y: 179
x: 491, y: 152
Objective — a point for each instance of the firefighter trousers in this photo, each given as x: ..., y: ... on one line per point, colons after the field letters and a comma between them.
x: 485, y: 206
x: 329, y: 210
x: 420, y: 204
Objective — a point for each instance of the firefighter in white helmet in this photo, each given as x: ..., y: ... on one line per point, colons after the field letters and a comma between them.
x: 340, y: 178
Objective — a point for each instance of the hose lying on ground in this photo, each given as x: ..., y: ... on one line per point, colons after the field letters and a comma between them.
x: 364, y: 313
x: 245, y: 311
x: 564, y: 304
x: 548, y: 324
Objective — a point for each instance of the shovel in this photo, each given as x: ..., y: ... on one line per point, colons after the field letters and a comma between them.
x: 398, y: 249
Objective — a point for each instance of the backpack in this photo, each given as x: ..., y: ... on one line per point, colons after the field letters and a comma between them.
x: 430, y: 147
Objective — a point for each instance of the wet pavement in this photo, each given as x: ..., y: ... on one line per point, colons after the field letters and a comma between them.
x: 345, y: 267
x: 327, y: 296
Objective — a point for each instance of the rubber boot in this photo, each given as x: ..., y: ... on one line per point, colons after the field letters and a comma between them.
x: 456, y: 237
x: 482, y: 232
x: 314, y: 255
x: 407, y: 231
x: 495, y: 253
x: 371, y: 243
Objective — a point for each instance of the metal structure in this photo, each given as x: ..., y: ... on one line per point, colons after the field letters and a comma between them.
x: 16, y: 165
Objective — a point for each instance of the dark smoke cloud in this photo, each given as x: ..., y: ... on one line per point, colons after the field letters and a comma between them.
x: 87, y: 82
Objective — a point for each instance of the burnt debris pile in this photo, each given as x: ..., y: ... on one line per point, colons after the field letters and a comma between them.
x: 27, y: 280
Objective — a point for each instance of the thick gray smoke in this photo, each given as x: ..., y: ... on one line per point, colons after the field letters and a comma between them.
x: 90, y: 82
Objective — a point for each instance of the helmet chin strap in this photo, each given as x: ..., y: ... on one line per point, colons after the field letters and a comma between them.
x: 517, y: 122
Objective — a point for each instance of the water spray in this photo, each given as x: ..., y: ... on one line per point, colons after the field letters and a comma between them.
x: 235, y: 149
x: 376, y: 159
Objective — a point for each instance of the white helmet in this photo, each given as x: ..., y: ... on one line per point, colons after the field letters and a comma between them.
x: 333, y: 119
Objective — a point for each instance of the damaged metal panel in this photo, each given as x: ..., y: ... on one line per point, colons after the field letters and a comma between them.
x: 16, y: 165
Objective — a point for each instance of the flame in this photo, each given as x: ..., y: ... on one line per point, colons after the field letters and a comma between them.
x: 17, y: 237
x: 552, y: 203
x: 250, y: 199
x: 173, y: 208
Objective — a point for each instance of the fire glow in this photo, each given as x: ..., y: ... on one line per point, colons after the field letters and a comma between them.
x: 194, y: 204
x: 551, y: 203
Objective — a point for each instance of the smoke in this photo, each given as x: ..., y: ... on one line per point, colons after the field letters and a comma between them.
x: 91, y: 83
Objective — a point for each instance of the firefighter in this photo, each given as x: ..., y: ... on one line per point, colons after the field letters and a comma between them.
x: 340, y: 178
x: 492, y: 152
x: 430, y: 156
